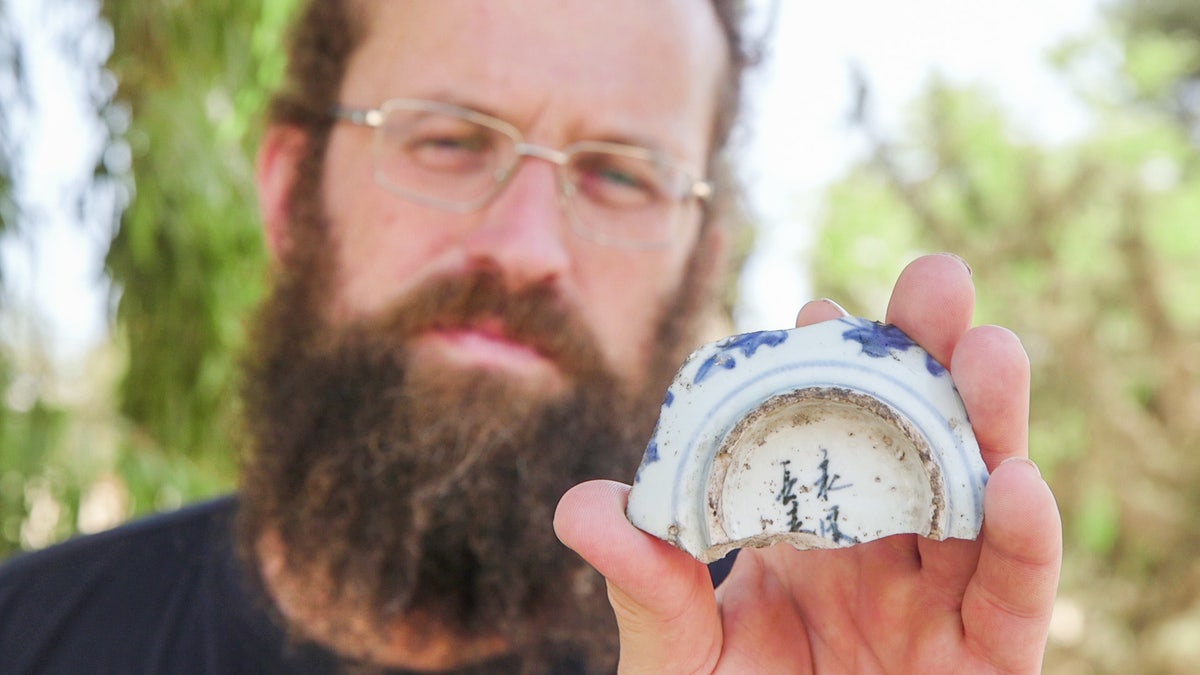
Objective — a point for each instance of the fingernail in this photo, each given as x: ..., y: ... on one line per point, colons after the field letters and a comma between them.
x: 1023, y: 460
x: 963, y: 262
x: 836, y: 306
x: 813, y: 314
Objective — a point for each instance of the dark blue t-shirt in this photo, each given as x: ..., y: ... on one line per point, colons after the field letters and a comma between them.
x: 166, y: 594
x: 161, y: 595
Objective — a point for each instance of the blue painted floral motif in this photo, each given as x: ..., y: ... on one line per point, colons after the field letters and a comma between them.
x: 879, y: 340
x: 721, y: 360
x: 650, y: 457
x: 747, y: 343
x: 651, y: 452
x: 670, y: 398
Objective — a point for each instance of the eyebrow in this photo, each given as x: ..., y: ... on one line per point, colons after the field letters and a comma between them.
x: 623, y: 137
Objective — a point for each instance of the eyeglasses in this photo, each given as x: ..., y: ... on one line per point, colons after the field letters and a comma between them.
x: 458, y: 159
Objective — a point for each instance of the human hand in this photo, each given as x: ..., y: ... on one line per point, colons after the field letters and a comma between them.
x: 903, y: 604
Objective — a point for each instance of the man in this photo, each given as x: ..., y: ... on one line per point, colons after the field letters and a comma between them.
x: 496, y: 228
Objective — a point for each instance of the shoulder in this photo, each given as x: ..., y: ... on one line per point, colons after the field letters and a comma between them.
x: 177, y: 534
x: 73, y: 600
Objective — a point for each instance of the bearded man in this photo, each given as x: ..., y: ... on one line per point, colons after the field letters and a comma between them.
x: 495, y: 233
x: 496, y: 228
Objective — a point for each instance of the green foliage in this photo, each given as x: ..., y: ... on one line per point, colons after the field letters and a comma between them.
x: 186, y: 263
x: 1156, y: 62
x: 10, y: 97
x: 1176, y: 20
x: 188, y: 259
x: 25, y: 441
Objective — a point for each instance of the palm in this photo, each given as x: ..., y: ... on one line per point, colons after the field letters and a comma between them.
x: 879, y: 607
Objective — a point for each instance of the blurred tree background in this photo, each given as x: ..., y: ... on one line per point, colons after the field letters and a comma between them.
x: 1089, y: 250
x: 185, y: 263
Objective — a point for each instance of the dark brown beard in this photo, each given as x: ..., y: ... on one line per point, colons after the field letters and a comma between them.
x: 409, y: 492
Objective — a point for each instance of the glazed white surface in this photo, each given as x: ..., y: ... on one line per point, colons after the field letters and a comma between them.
x: 823, y: 436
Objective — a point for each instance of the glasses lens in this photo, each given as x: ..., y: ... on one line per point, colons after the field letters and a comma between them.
x: 619, y: 197
x: 440, y: 158
x: 456, y: 159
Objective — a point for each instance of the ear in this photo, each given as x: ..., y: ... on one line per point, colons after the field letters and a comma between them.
x: 278, y: 161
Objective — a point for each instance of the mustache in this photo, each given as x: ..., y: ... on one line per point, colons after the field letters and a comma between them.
x: 535, y: 316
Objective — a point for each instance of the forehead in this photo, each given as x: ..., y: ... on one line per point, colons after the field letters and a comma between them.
x: 622, y: 69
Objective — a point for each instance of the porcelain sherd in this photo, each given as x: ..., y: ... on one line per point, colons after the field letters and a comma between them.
x: 824, y: 436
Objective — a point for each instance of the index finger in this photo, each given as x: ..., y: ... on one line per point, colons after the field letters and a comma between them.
x: 933, y: 303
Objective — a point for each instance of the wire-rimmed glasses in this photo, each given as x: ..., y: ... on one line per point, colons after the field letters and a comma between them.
x: 458, y: 159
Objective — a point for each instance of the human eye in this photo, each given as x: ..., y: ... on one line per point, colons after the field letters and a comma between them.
x: 616, y: 180
x: 443, y: 144
x: 473, y: 143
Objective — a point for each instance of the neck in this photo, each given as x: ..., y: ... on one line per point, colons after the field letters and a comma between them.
x: 410, y: 642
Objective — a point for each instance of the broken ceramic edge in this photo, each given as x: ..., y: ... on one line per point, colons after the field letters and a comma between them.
x: 824, y: 436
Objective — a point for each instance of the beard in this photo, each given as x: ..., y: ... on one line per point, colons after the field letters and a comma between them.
x: 398, y: 491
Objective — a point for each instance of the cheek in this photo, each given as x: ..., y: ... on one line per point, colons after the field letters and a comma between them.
x: 380, y: 251
x: 624, y: 298
x: 369, y: 260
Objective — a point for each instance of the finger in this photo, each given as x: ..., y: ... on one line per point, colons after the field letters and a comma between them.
x: 933, y: 302
x: 1006, y: 610
x: 816, y: 311
x: 991, y: 371
x: 662, y: 597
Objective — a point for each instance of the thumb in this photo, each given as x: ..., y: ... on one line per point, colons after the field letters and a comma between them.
x: 663, y: 598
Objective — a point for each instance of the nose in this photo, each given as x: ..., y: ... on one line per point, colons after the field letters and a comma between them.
x: 522, y: 233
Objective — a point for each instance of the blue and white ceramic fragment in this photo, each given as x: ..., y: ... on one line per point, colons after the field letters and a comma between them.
x: 825, y: 436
